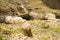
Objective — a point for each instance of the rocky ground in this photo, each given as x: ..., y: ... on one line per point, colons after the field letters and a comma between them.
x: 41, y: 29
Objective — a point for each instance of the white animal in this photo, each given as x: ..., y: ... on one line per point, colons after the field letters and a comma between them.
x: 14, y: 19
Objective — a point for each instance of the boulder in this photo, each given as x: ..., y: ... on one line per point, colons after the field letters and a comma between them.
x: 14, y: 19
x: 33, y: 15
x: 42, y: 16
x: 50, y: 16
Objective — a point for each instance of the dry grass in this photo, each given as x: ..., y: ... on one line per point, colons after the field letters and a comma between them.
x: 38, y: 30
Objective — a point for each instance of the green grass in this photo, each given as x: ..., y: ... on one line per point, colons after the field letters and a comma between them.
x: 8, y: 29
x: 43, y: 38
x: 36, y: 25
x: 57, y: 30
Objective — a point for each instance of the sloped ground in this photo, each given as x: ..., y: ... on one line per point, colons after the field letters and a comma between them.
x: 9, y: 7
x: 44, y: 6
x: 41, y: 30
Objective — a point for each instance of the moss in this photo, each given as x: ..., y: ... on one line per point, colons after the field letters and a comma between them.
x: 36, y: 31
x: 17, y: 30
x: 57, y: 30
x: 2, y: 37
x: 36, y: 25
x: 37, y: 22
x: 7, y: 29
x: 44, y: 38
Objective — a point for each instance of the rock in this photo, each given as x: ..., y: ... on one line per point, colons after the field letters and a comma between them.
x: 50, y: 16
x: 46, y: 16
x: 26, y: 27
x: 33, y: 15
x: 42, y: 16
x: 14, y: 19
